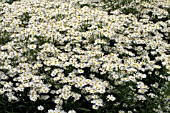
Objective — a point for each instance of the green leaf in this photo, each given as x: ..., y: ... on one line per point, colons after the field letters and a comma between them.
x: 84, y: 109
x: 20, y: 106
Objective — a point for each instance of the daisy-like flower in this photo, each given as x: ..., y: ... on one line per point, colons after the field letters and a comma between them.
x: 59, y: 111
x: 51, y: 111
x: 111, y: 98
x: 32, y: 39
x: 142, y: 90
x: 141, y: 75
x: 32, y: 46
x: 58, y: 101
x: 141, y: 97
x: 71, y: 111
x: 95, y: 107
x: 98, y: 102
x: 121, y: 111
x: 40, y: 107
x: 80, y: 71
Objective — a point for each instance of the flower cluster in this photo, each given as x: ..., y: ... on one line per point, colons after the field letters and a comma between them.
x: 70, y: 53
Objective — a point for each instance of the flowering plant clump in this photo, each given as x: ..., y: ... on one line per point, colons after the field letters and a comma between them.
x: 72, y: 56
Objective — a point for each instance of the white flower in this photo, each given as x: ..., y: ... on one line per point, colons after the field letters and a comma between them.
x: 40, y: 108
x: 80, y: 71
x: 58, y: 101
x: 54, y: 72
x: 32, y: 46
x: 121, y: 111
x: 111, y: 98
x: 141, y: 75
x: 45, y: 97
x: 32, y: 39
x: 95, y: 107
x: 59, y: 111
x: 132, y: 78
x: 168, y: 78
x: 151, y: 95
x: 142, y: 90
x: 98, y: 102
x: 141, y: 97
x: 72, y: 111
x: 51, y: 111
x: 155, y: 85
